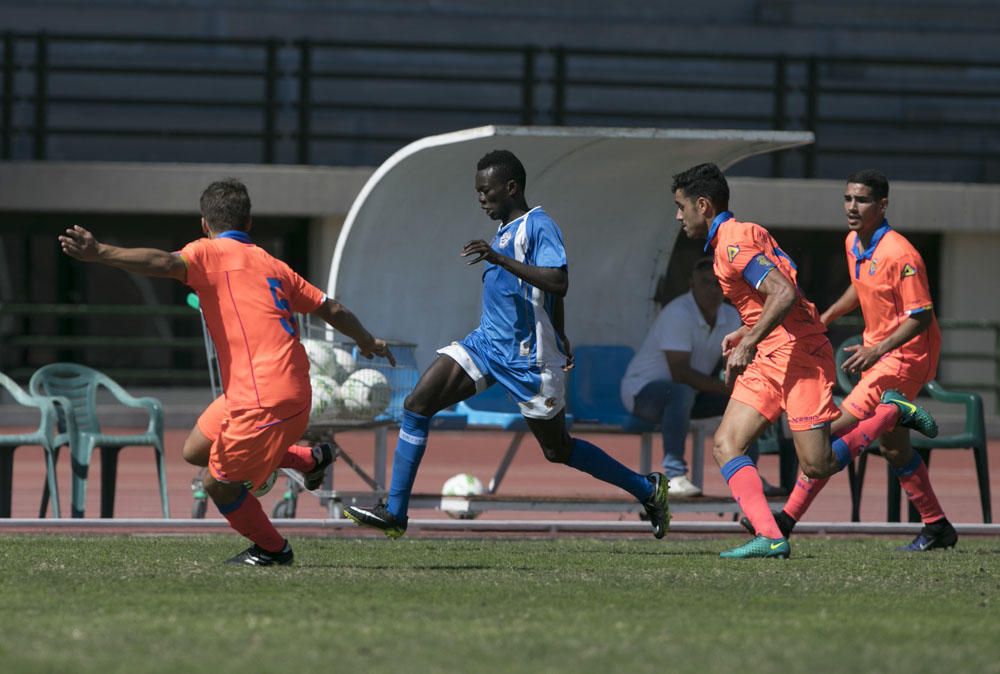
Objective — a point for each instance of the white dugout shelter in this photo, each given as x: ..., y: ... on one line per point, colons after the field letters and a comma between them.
x: 397, y: 259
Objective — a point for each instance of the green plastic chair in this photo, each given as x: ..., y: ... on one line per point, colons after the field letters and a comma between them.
x: 79, y: 384
x: 47, y: 436
x: 973, y: 437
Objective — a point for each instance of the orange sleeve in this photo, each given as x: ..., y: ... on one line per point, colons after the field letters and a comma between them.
x: 193, y: 256
x: 304, y: 297
x: 913, y: 286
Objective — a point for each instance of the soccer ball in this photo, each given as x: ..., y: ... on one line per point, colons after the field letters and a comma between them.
x: 342, y: 364
x: 265, y: 487
x: 325, y: 395
x: 366, y: 393
x: 453, y: 492
x: 320, y: 353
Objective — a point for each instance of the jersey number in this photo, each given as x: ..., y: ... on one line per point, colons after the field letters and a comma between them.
x: 287, y: 321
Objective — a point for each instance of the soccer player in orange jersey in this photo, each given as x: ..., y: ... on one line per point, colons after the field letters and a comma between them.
x: 249, y: 300
x: 900, y: 349
x: 780, y: 359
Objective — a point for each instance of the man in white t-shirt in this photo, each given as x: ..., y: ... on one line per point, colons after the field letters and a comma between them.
x: 669, y: 380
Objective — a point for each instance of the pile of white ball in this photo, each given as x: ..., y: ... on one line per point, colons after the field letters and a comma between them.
x: 341, y: 390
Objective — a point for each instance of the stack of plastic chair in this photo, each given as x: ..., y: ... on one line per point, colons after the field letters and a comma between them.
x: 79, y: 384
x: 46, y: 436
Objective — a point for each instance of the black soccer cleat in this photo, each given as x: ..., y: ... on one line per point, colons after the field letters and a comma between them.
x: 934, y: 536
x: 783, y: 519
x: 658, y: 505
x: 324, y: 457
x: 258, y: 556
x: 379, y: 517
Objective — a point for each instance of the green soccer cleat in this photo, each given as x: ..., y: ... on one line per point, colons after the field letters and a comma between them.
x: 760, y: 547
x: 910, y: 415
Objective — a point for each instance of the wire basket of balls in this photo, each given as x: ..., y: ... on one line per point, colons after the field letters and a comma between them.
x: 346, y: 386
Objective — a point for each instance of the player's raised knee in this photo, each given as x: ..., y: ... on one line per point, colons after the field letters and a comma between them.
x: 557, y: 453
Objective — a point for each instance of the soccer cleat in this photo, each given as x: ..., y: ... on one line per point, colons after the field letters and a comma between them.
x: 658, y: 504
x: 910, y: 415
x: 314, y: 478
x: 258, y: 556
x: 785, y: 523
x: 936, y: 535
x: 377, y: 516
x: 760, y: 547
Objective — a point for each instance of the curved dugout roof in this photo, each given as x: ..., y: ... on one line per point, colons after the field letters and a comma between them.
x: 397, y: 260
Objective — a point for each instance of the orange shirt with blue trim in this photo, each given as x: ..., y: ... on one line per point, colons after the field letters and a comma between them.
x: 745, y: 253
x: 249, y: 300
x: 891, y: 281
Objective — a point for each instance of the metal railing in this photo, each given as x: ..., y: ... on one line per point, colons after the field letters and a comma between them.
x: 49, y: 330
x: 336, y: 102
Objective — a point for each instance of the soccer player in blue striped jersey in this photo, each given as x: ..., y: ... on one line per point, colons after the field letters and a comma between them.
x: 520, y: 344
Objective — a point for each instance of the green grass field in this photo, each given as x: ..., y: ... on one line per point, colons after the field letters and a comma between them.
x: 166, y: 604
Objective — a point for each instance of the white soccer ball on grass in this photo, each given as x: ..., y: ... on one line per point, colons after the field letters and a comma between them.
x: 366, y: 393
x: 453, y: 494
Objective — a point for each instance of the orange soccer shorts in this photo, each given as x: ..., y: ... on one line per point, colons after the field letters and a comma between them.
x: 248, y: 445
x: 867, y: 393
x: 798, y: 378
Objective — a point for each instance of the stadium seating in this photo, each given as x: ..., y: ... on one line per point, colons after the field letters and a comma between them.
x: 79, y: 385
x: 973, y: 436
x: 46, y: 436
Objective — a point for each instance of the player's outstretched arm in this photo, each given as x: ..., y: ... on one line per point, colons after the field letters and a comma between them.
x: 554, y: 280
x: 847, y: 303
x: 344, y: 320
x: 80, y: 244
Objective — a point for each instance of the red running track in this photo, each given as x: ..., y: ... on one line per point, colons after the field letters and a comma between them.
x: 952, y: 472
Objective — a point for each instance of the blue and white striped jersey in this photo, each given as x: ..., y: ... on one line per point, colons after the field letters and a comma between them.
x: 517, y: 317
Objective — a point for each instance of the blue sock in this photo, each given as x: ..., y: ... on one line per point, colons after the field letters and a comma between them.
x: 593, y: 460
x: 409, y: 450
x: 842, y: 452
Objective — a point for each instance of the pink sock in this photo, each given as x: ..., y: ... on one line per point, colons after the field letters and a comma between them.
x: 248, y: 518
x: 849, y: 445
x: 917, y: 485
x: 299, y: 458
x: 803, y: 493
x: 748, y: 491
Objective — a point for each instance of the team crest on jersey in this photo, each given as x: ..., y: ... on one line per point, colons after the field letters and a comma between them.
x: 909, y: 270
x: 731, y: 252
x: 505, y: 238
x: 872, y: 266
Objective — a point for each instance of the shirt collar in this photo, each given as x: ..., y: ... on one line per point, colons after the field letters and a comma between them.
x: 867, y: 253
x: 719, y: 219
x: 234, y: 234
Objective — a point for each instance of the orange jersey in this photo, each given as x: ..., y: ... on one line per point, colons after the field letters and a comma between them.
x: 248, y: 299
x: 745, y: 253
x: 891, y: 281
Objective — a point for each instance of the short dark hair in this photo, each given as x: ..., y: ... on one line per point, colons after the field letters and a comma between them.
x: 873, y: 180
x: 225, y: 204
x: 704, y: 180
x: 507, y: 166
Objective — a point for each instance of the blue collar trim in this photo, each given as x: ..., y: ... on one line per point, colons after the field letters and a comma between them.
x: 719, y: 219
x: 867, y: 253
x: 234, y: 234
